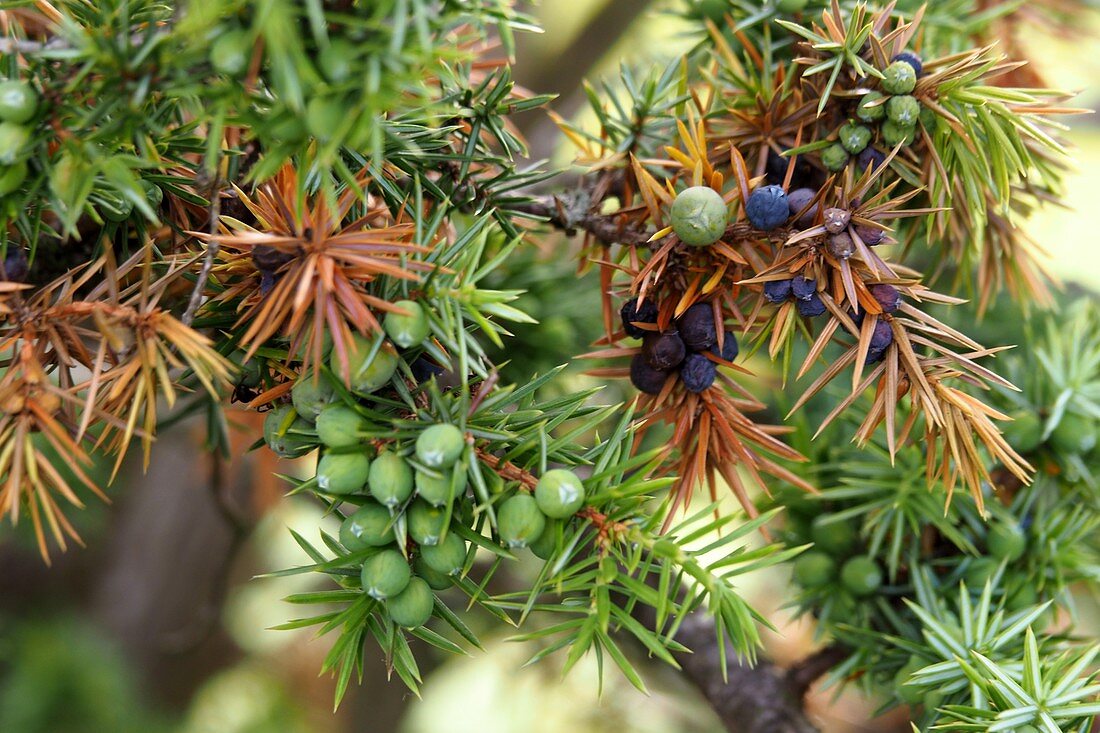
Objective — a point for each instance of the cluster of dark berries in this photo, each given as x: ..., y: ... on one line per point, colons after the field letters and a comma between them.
x: 889, y: 299
x: 682, y: 349
x: 893, y: 112
x: 803, y: 290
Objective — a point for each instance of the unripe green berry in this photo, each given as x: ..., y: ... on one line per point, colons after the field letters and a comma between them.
x: 833, y: 537
x: 438, y: 490
x: 867, y: 110
x: 13, y: 142
x: 153, y: 194
x: 335, y: 60
x: 371, y: 525
x: 906, y: 691
x: 519, y: 521
x: 12, y: 176
x: 18, y: 101
x: 559, y: 493
x: 391, y: 479
x: 310, y: 394
x: 426, y: 523
x: 229, y: 53
x: 894, y: 134
x: 339, y: 426
x: 834, y: 157
x: 813, y: 569
x: 1074, y: 434
x: 407, y: 330
x: 324, y: 115
x: 385, y: 574
x: 899, y: 78
x: 369, y: 369
x: 861, y: 575
x: 342, y: 473
x: 854, y: 137
x: 791, y: 6
x: 439, y: 446
x: 446, y: 557
x: 903, y: 110
x: 699, y: 216
x: 979, y: 571
x: 435, y: 579
x: 547, y: 542
x: 1025, y: 432
x: 283, y: 432
x: 1006, y: 541
x: 413, y: 606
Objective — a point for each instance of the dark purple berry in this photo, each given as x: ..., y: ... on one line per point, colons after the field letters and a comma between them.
x: 698, y: 373
x: 767, y: 208
x: 644, y: 377
x: 887, y: 296
x: 799, y: 199
x: 632, y: 313
x: 841, y: 246
x: 776, y: 291
x: 663, y: 351
x: 881, y: 338
x: 871, y: 236
x: 803, y: 289
x: 912, y: 59
x: 15, y: 265
x: 730, y: 349
x: 870, y: 157
x: 696, y: 327
x: 424, y: 369
x: 857, y: 317
x: 811, y: 307
x: 777, y: 165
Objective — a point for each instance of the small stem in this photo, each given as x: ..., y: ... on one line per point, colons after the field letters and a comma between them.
x: 211, y: 254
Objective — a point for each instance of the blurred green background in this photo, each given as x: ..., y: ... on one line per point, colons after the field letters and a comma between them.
x: 158, y: 627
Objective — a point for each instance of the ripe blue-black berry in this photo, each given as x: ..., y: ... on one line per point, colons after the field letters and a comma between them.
x: 803, y: 288
x: 632, y: 312
x: 841, y: 246
x: 870, y: 158
x: 776, y: 291
x: 698, y: 373
x: 644, y: 377
x: 871, y: 236
x: 767, y: 208
x: 799, y: 199
x: 912, y: 59
x: 776, y: 170
x: 881, y: 338
x: 697, y: 328
x: 424, y: 369
x: 15, y: 264
x: 730, y: 349
x: 887, y: 296
x: 663, y: 351
x: 811, y: 307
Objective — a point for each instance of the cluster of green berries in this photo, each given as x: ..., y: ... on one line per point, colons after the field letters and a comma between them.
x: 1076, y: 434
x: 893, y: 113
x: 412, y: 526
x: 836, y: 556
x: 18, y: 105
x: 687, y: 350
